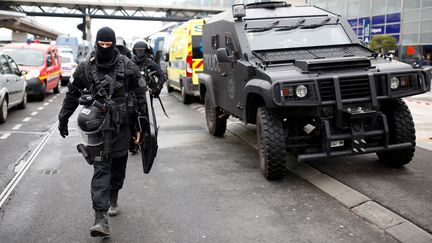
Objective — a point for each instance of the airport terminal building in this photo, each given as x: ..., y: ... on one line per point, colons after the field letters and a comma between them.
x: 408, y: 21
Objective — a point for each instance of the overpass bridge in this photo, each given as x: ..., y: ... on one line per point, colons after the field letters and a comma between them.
x: 162, y: 10
x: 17, y: 22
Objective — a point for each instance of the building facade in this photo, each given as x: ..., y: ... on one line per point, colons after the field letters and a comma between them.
x: 408, y: 21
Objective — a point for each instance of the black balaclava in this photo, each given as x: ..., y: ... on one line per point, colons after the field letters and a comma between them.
x: 105, y: 54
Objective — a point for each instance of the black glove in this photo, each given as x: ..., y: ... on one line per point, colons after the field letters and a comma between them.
x: 63, y: 128
x: 155, y: 91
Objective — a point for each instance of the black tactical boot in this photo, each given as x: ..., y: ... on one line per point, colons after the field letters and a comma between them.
x: 113, y: 209
x: 101, y: 226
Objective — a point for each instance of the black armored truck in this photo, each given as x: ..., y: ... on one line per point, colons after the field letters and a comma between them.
x: 304, y: 78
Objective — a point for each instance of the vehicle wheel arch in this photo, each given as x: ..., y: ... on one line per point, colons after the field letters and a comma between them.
x: 254, y: 96
x: 206, y: 85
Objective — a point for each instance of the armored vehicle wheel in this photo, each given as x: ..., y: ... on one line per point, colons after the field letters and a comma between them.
x: 215, y: 124
x: 401, y: 130
x: 271, y: 144
x: 185, y: 97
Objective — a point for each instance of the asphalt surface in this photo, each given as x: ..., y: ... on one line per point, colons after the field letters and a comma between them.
x: 204, y: 189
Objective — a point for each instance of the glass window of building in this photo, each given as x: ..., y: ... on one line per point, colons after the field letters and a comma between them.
x: 409, y: 39
x: 411, y: 16
x: 337, y: 6
x: 411, y: 27
x: 427, y: 3
x: 426, y: 14
x: 378, y: 7
x: 353, y: 7
x: 425, y: 38
x: 426, y: 26
x: 393, y: 6
x: 411, y: 4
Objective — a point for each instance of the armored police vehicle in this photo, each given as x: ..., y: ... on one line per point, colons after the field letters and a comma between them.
x: 302, y: 76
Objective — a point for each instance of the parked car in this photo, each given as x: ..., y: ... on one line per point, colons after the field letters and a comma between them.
x: 42, y: 64
x: 64, y: 51
x: 68, y: 67
x: 12, y: 86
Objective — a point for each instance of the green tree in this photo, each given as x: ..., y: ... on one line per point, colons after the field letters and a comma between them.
x: 383, y: 43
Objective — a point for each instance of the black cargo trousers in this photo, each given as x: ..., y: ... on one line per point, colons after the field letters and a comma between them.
x: 108, y: 178
x: 109, y: 174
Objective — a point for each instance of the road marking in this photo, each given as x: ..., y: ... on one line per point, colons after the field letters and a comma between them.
x: 4, y: 136
x: 34, y: 113
x: 26, y: 119
x: 45, y: 104
x: 14, y: 182
x: 17, y: 126
x: 41, y: 108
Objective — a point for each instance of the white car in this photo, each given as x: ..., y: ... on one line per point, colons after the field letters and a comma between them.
x: 68, y: 67
x: 12, y: 86
x: 65, y: 51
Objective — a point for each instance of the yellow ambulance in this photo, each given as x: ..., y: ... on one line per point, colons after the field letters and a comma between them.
x: 186, y: 59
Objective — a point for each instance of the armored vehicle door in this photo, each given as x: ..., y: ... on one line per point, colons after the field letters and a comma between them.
x: 231, y: 87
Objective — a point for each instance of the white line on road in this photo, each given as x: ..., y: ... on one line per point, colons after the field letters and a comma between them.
x: 51, y: 100
x: 26, y: 119
x: 45, y: 104
x: 13, y: 183
x: 34, y: 113
x: 4, y: 136
x: 41, y: 108
x: 17, y: 126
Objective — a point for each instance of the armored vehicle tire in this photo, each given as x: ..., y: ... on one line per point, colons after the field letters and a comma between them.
x: 271, y: 144
x: 215, y: 124
x: 401, y: 130
x: 186, y: 99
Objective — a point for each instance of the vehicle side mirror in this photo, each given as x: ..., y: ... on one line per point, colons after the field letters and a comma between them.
x: 222, y: 55
x: 23, y: 72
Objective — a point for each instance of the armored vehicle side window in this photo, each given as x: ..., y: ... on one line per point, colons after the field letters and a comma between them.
x: 229, y: 42
x: 325, y: 35
x: 215, y: 42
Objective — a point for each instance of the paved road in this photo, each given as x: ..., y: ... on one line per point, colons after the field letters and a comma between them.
x: 206, y: 189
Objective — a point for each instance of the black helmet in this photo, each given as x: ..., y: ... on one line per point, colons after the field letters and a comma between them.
x: 142, y: 49
x: 90, y: 120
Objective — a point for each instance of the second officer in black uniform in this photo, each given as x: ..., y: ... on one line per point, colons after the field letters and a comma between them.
x: 109, y: 79
x: 142, y: 57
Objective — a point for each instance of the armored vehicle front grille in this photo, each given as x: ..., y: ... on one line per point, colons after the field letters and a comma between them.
x: 327, y: 90
x: 350, y: 88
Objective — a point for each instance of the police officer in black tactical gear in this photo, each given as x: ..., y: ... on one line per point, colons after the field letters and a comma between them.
x: 142, y: 57
x: 104, y: 84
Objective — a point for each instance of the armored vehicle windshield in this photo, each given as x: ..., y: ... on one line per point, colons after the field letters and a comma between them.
x: 279, y: 37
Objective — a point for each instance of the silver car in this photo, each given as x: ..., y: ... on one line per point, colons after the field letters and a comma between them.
x: 12, y: 86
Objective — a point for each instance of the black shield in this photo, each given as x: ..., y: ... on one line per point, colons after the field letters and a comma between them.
x: 148, y: 128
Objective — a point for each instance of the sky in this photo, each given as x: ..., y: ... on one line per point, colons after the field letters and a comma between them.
x: 128, y: 29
